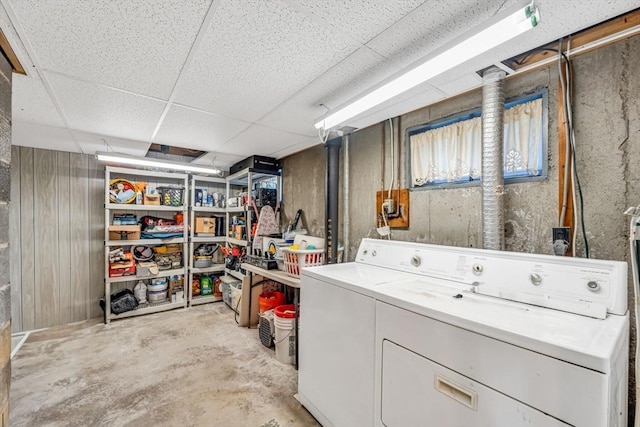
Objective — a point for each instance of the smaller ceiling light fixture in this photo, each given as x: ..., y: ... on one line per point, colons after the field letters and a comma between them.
x: 124, y: 159
x: 479, y: 42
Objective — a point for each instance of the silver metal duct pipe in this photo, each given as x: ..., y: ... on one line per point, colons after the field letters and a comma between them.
x: 492, y: 159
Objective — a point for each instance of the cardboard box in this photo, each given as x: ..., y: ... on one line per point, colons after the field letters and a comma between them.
x: 205, y: 225
x: 124, y: 232
x: 151, y: 199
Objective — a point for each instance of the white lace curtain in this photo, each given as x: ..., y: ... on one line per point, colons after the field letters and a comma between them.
x: 454, y: 152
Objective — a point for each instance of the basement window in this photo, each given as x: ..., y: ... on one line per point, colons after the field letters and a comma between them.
x: 448, y: 153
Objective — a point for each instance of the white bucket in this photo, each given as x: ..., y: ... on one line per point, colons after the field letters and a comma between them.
x: 285, y: 337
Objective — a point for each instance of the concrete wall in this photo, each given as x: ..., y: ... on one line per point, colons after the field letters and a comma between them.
x: 5, y: 195
x: 607, y: 122
x: 303, y: 179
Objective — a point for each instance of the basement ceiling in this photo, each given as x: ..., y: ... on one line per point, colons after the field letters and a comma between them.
x: 234, y: 78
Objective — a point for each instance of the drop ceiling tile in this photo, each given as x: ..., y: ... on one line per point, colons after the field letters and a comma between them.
x: 255, y: 55
x: 300, y: 146
x: 348, y: 79
x: 106, y: 111
x: 454, y: 84
x: 559, y: 19
x: 42, y: 136
x: 360, y: 19
x: 431, y: 26
x: 134, y: 45
x: 186, y: 127
x: 92, y: 143
x: 220, y: 160
x: 409, y: 101
x: 31, y: 103
x: 261, y: 140
x: 18, y: 48
x: 571, y: 16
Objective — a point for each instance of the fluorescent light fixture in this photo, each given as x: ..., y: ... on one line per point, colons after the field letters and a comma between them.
x: 155, y: 163
x: 513, y: 25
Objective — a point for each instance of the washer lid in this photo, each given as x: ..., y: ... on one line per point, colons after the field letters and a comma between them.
x: 357, y: 277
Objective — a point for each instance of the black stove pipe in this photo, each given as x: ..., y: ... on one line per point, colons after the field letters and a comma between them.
x: 332, y: 193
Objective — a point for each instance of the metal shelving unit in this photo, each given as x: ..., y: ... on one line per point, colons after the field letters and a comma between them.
x: 244, y: 181
x: 232, y: 186
x: 211, y: 185
x: 114, y: 283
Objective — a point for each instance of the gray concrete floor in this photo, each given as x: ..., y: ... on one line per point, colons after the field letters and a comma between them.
x: 191, y: 367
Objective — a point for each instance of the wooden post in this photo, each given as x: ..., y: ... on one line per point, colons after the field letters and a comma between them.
x: 564, y: 162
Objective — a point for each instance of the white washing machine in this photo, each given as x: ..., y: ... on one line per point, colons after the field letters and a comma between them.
x: 414, y: 334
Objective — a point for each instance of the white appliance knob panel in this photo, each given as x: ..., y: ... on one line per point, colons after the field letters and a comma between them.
x: 416, y: 261
x: 535, y: 279
x: 593, y: 286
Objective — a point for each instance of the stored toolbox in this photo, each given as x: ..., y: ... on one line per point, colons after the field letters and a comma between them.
x: 262, y: 163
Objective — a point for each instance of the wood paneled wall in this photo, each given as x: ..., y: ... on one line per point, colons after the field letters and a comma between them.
x: 56, y: 237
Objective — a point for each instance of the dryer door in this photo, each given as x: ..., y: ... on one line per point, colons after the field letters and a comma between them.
x: 416, y: 391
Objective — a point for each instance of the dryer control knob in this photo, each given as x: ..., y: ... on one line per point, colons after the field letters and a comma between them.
x: 416, y: 260
x: 374, y: 253
x: 535, y: 279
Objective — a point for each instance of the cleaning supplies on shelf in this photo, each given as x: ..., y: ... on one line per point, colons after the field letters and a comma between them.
x: 140, y: 292
x: 206, y: 286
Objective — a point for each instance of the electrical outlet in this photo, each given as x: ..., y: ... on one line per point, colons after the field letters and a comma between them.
x: 562, y: 234
x: 395, y: 207
x: 561, y: 240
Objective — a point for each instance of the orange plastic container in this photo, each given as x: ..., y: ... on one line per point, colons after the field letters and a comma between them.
x: 269, y: 300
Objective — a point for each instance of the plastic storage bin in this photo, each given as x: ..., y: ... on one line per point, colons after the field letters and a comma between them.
x: 171, y: 196
x: 297, y: 259
x: 270, y: 300
x: 231, y: 291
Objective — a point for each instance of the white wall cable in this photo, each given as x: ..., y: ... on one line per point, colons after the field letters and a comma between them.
x: 570, y: 136
x: 386, y: 224
x: 565, y: 193
x: 393, y: 157
x: 323, y: 135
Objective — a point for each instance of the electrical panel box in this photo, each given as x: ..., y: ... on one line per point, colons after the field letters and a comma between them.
x: 394, y: 209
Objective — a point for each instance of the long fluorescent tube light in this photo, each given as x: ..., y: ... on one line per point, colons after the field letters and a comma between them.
x: 162, y: 164
x: 500, y: 32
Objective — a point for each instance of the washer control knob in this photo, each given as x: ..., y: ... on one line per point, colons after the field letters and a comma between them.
x: 374, y: 253
x: 416, y: 260
x: 364, y: 252
x: 477, y: 269
x: 535, y: 279
x: 593, y: 286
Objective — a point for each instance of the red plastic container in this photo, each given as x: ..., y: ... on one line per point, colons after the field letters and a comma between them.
x: 287, y: 311
x: 269, y: 300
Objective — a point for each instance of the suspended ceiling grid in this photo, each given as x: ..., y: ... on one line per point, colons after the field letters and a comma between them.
x: 236, y: 78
